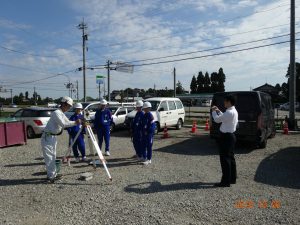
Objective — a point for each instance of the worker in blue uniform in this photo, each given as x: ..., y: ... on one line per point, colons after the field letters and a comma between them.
x: 79, y: 143
x: 136, y: 130
x: 102, y: 123
x: 148, y: 128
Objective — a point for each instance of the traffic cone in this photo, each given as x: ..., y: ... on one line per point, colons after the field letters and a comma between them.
x: 285, y: 128
x: 166, y: 134
x: 206, y: 125
x: 194, y: 127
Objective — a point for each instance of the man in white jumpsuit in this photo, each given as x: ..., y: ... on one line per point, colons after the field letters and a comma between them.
x: 58, y: 121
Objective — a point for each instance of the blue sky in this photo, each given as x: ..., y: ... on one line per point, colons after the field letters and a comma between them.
x: 127, y: 30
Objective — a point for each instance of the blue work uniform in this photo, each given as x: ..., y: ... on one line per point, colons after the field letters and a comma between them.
x: 79, y: 143
x: 136, y: 127
x: 102, y: 122
x: 148, y: 128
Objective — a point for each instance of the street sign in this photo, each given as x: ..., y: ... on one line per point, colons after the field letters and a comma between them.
x: 99, y: 79
x: 124, y: 67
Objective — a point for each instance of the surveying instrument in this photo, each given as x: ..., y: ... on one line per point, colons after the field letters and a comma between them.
x: 93, y: 144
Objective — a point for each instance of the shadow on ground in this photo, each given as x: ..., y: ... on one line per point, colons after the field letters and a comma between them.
x: 280, y: 169
x: 8, y: 182
x: 156, y: 186
x: 201, y: 145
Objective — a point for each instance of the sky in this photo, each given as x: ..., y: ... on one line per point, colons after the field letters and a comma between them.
x: 39, y: 40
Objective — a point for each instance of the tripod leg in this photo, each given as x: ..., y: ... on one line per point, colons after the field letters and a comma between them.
x: 96, y: 146
x: 92, y: 153
x: 68, y: 152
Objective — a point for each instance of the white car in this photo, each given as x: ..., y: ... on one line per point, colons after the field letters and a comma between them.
x: 286, y: 106
x: 90, y: 109
x: 119, y: 114
x: 166, y: 111
x: 35, y: 118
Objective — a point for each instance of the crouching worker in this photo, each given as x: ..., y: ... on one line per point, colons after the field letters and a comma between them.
x: 136, y: 130
x: 148, y: 128
x: 57, y: 122
x: 102, y: 122
x: 79, y: 143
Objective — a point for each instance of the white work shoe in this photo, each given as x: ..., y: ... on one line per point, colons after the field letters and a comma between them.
x: 84, y: 159
x: 77, y: 160
x: 147, y: 162
x: 107, y: 153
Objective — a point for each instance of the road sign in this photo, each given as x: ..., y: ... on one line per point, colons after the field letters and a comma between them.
x: 124, y: 67
x: 99, y: 79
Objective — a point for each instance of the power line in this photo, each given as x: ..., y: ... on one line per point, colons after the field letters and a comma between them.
x: 215, y: 54
x: 205, y: 50
x: 31, y: 54
x: 45, y: 78
x: 208, y: 39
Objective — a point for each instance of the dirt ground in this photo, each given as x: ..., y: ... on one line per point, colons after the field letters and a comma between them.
x: 177, y: 188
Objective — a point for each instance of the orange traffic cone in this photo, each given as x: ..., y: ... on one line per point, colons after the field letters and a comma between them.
x: 166, y: 134
x: 206, y: 125
x: 194, y: 127
x: 285, y: 128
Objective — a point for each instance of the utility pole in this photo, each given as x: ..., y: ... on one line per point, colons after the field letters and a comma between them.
x: 34, y: 95
x: 11, y: 95
x: 174, y: 73
x: 99, y: 91
x: 82, y: 26
x: 77, y: 91
x: 108, y: 79
x: 292, y: 78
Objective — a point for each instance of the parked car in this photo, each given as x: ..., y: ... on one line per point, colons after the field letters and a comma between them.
x: 119, y: 114
x: 166, y: 111
x: 13, y: 105
x: 286, y: 106
x: 89, y: 109
x: 36, y: 119
x: 256, y: 116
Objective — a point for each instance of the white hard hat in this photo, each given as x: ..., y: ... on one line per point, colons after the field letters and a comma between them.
x: 147, y: 105
x: 139, y: 103
x: 103, y: 102
x: 78, y: 106
x: 67, y: 100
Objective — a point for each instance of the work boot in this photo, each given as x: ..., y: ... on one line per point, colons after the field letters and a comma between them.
x: 147, y: 162
x: 52, y: 180
x: 84, y: 159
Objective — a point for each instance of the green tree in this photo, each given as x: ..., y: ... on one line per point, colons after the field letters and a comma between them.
x: 278, y: 87
x: 193, y: 85
x: 297, y: 81
x: 285, y: 90
x: 221, y: 80
x: 26, y: 95
x: 206, y: 86
x: 200, y: 82
x: 179, y: 88
x: 21, y: 97
x: 214, y: 82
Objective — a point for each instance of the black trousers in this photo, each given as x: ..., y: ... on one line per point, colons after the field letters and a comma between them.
x: 226, y: 150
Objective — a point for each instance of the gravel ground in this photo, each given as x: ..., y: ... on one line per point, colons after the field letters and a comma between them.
x: 175, y: 189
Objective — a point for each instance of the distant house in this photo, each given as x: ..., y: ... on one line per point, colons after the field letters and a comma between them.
x: 267, y: 88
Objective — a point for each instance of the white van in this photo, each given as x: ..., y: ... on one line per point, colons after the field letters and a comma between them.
x: 166, y: 111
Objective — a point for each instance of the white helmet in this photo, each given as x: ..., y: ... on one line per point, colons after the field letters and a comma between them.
x: 67, y: 100
x: 103, y: 102
x: 147, y: 105
x: 78, y: 106
x: 139, y: 103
